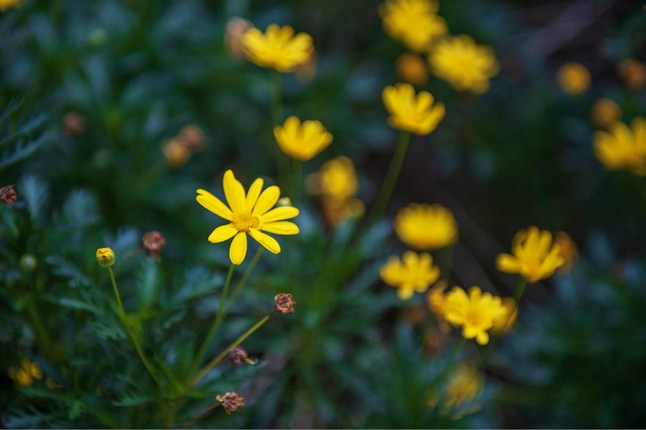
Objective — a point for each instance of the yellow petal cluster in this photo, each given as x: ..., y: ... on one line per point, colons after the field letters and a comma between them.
x: 26, y: 373
x: 302, y: 141
x: 605, y: 112
x: 423, y: 226
x: 475, y: 312
x: 6, y: 4
x: 464, y: 384
x: 278, y: 48
x: 413, y: 22
x: 622, y: 147
x: 412, y: 112
x: 534, y: 257
x: 249, y: 213
x: 573, y: 78
x: 462, y: 63
x: 413, y: 273
x: 504, y: 323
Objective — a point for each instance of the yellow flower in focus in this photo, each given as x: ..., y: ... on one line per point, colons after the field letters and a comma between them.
x: 249, y: 213
x: 622, y: 147
x: 605, y: 112
x: 302, y: 140
x: 105, y: 257
x: 534, y: 257
x: 6, y: 4
x: 475, y: 312
x: 573, y: 78
x: 465, y: 65
x: 410, y: 112
x: 411, y: 68
x: 414, y: 272
x: 504, y: 323
x: 413, y: 22
x: 633, y: 73
x: 278, y: 47
x: 425, y: 226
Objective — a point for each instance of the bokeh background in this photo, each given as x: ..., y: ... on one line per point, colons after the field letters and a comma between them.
x: 90, y: 95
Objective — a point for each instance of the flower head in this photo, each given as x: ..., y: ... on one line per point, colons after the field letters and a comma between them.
x: 425, y: 226
x: 8, y: 195
x: 237, y: 355
x: 605, y: 112
x: 302, y: 140
x: 573, y: 78
x: 230, y: 401
x: 26, y: 373
x: 105, y: 257
x: 414, y: 272
x: 284, y: 303
x: 413, y: 22
x: 464, y: 64
x: 622, y: 147
x: 504, y: 323
x: 248, y: 213
x: 411, y: 68
x: 464, y: 384
x: 633, y: 73
x: 153, y: 243
x: 411, y: 112
x: 534, y: 257
x: 278, y: 47
x: 475, y: 312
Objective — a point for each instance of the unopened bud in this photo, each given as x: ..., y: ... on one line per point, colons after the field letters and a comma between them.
x: 153, y: 243
x: 230, y: 401
x: 284, y: 303
x: 236, y: 28
x: 237, y: 355
x: 105, y: 257
x: 8, y: 195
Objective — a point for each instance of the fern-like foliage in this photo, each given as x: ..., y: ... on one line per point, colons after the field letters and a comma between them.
x: 21, y: 134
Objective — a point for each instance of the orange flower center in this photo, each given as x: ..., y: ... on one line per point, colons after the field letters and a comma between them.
x: 243, y: 222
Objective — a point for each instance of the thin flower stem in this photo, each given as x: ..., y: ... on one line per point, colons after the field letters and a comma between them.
x: 116, y: 290
x: 297, y: 179
x: 387, y: 187
x: 223, y: 354
x: 520, y: 289
x: 243, y: 279
x: 215, y: 325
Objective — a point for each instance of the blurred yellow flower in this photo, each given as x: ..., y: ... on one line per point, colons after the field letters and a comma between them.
x: 249, y: 213
x: 278, y: 47
x: 622, y: 147
x: 414, y: 272
x: 425, y: 226
x: 605, y: 112
x: 465, y: 65
x: 26, y: 373
x: 534, y: 257
x: 633, y: 73
x: 413, y: 22
x: 436, y: 299
x: 302, y: 140
x: 569, y: 250
x: 475, y: 312
x: 6, y: 4
x: 411, y: 68
x: 504, y: 323
x: 411, y: 112
x: 464, y: 385
x: 573, y: 78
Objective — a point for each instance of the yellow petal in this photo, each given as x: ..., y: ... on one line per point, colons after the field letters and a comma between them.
x: 279, y: 214
x: 215, y: 205
x: 234, y: 192
x: 265, y: 240
x: 222, y: 233
x: 254, y: 192
x: 238, y: 249
x: 281, y: 227
x: 507, y: 263
x: 267, y: 200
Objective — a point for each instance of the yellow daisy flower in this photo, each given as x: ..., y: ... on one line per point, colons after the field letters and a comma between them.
x: 622, y: 147
x: 414, y: 272
x: 249, y: 213
x: 475, y: 312
x: 534, y: 257
x: 464, y: 64
x: 425, y: 226
x: 302, y: 140
x: 411, y: 112
x: 573, y: 78
x: 413, y: 22
x: 278, y: 47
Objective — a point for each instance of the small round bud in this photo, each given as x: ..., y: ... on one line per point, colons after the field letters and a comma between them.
x: 237, y: 355
x: 28, y: 263
x: 230, y: 401
x: 193, y: 137
x: 8, y: 195
x: 284, y: 303
x: 153, y: 243
x: 105, y: 257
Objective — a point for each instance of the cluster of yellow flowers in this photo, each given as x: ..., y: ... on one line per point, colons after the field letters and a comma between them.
x: 623, y: 147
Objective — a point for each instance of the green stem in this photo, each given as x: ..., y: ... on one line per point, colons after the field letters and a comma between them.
x: 297, y: 179
x: 244, y: 278
x: 520, y: 290
x: 215, y: 325
x: 116, y: 290
x: 223, y: 354
x: 387, y: 187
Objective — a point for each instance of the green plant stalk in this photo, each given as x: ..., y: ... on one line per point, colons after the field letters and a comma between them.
x: 214, y: 326
x: 223, y: 354
x: 135, y: 341
x: 243, y: 279
x: 297, y: 179
x: 387, y: 187
x: 520, y: 290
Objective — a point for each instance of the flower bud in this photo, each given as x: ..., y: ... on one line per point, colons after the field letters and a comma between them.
x: 105, y: 257
x: 153, y: 243
x: 8, y: 195
x: 237, y: 355
x: 284, y: 303
x: 230, y: 401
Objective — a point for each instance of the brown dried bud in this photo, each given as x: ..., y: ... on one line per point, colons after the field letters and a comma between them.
x: 235, y: 30
x: 237, y: 355
x: 284, y: 303
x: 230, y: 401
x: 73, y: 123
x: 8, y: 195
x: 176, y: 152
x: 153, y: 243
x: 193, y: 137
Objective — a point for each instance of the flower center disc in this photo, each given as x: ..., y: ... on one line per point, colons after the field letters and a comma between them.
x: 243, y: 222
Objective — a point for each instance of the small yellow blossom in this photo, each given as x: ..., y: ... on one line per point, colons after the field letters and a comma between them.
x: 465, y: 65
x: 568, y: 248
x: 302, y: 140
x: 249, y: 213
x: 464, y: 385
x: 414, y: 272
x: 475, y: 312
x: 410, y: 112
x: 504, y: 323
x: 633, y: 73
x: 411, y: 68
x: 534, y: 257
x: 105, y: 257
x: 26, y: 373
x: 573, y: 78
x: 622, y: 147
x: 7, y: 4
x: 425, y: 226
x: 278, y: 47
x: 413, y: 22
x: 605, y: 112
